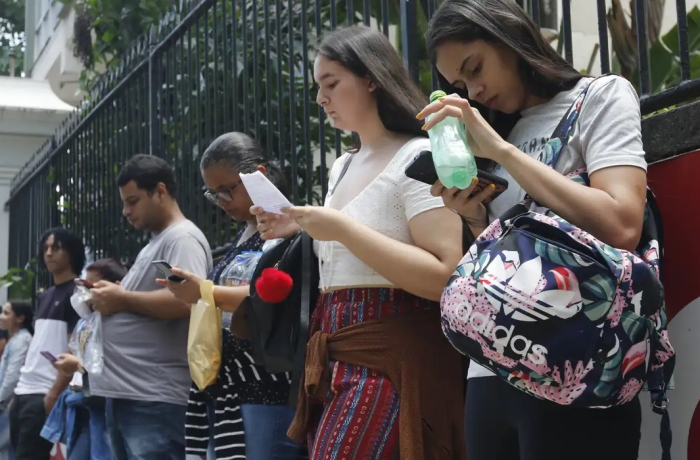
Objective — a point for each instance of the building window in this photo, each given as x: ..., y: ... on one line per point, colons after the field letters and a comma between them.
x: 46, y: 16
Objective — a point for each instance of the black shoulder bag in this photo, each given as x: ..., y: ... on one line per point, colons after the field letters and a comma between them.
x: 279, y: 331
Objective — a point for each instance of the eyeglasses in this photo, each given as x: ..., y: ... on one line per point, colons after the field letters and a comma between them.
x: 221, y: 197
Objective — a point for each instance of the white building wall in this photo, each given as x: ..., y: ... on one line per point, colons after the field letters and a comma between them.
x: 50, y: 39
x: 29, y: 114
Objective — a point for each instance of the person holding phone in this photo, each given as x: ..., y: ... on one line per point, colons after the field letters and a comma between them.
x: 386, y: 250
x: 146, y: 378
x: 62, y: 253
x: 89, y: 431
x: 260, y: 397
x: 511, y: 89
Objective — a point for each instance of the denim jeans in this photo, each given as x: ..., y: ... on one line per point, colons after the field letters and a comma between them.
x: 7, y: 452
x: 141, y: 430
x: 99, y: 439
x: 266, y: 432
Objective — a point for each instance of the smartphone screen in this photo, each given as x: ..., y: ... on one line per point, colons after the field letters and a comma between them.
x: 48, y: 355
x: 166, y: 270
x: 85, y: 283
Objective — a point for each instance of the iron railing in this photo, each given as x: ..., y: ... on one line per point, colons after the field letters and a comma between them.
x: 246, y: 65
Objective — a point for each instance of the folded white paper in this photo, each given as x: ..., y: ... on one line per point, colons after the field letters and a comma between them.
x: 264, y: 193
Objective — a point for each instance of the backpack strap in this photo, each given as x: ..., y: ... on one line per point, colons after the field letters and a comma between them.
x: 551, y: 151
x: 658, y: 384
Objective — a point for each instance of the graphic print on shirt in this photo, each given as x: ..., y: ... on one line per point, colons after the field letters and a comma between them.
x: 532, y: 146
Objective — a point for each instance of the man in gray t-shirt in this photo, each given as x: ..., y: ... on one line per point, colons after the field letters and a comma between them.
x: 146, y: 377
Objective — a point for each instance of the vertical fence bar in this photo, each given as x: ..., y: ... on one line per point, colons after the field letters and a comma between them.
x: 256, y: 78
x: 215, y: 71
x: 207, y: 73
x: 321, y: 116
x: 292, y: 103
x: 307, y: 108
x: 226, y: 57
x: 603, y: 38
x: 350, y: 13
x: 153, y: 91
x: 201, y: 216
x: 182, y: 98
x: 246, y: 66
x: 207, y: 134
x: 642, y: 47
x: 334, y: 23
x: 385, y: 17
x: 535, y: 12
x: 234, y: 50
x: 366, y: 14
x: 168, y: 106
x: 269, y: 143
x: 566, y: 18
x: 190, y: 105
x: 334, y: 15
x: 409, y: 47
x: 280, y: 84
x: 434, y: 82
x: 683, y: 39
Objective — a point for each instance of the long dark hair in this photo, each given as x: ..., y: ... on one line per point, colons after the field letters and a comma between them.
x: 23, y: 308
x: 543, y: 72
x: 243, y: 154
x: 367, y: 53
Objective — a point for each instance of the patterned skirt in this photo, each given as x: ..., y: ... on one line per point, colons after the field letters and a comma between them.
x: 360, y: 419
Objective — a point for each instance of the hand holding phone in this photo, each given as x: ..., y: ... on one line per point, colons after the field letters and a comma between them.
x: 166, y: 270
x: 423, y: 170
x: 84, y: 283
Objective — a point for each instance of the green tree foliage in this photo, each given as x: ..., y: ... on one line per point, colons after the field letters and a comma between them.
x: 12, y: 38
x: 105, y: 30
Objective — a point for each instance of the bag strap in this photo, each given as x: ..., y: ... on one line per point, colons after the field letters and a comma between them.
x: 658, y: 384
x: 342, y: 172
x: 563, y: 130
x: 304, y: 317
x: 551, y: 151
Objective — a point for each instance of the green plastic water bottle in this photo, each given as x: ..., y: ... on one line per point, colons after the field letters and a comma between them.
x: 454, y: 160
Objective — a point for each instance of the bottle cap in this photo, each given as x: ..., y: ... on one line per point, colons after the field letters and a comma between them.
x: 435, y: 95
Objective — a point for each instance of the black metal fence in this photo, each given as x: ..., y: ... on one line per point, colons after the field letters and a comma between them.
x: 222, y: 65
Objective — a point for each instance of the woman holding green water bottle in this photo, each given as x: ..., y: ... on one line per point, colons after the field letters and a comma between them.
x: 511, y: 89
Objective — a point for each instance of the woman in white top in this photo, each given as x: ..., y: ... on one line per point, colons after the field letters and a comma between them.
x: 492, y: 55
x: 386, y: 247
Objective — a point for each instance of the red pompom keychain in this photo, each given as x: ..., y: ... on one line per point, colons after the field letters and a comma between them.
x: 273, y: 285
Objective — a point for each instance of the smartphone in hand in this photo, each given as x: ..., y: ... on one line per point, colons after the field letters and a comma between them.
x: 84, y: 283
x: 423, y: 170
x: 166, y: 270
x: 48, y: 355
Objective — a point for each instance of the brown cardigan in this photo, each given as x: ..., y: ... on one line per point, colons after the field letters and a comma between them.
x: 426, y: 371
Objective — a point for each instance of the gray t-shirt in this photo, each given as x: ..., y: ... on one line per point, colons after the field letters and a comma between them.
x: 145, y: 359
x: 608, y: 133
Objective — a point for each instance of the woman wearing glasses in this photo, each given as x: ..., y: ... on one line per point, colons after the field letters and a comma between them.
x: 261, y: 397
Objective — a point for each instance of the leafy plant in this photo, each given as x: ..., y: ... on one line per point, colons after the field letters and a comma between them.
x: 12, y: 39
x: 19, y: 281
x: 105, y: 30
